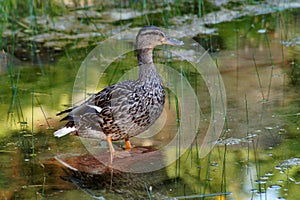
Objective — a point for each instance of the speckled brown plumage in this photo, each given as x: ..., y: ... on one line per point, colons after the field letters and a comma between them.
x: 128, y: 108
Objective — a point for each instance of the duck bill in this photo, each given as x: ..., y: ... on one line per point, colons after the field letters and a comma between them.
x: 174, y: 42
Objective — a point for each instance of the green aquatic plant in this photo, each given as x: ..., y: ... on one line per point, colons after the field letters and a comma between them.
x: 272, y: 64
x: 258, y: 77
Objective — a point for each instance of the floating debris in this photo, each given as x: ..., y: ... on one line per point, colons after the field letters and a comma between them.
x: 254, y: 190
x: 293, y: 180
x: 229, y: 141
x: 264, y: 177
x: 260, y: 181
x: 269, y: 128
x: 262, y: 31
x: 233, y: 141
x: 251, y: 135
x: 270, y: 154
x: 261, y: 193
x: 269, y: 174
x: 275, y: 187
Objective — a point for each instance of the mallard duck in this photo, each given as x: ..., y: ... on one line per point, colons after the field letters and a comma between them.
x: 127, y: 108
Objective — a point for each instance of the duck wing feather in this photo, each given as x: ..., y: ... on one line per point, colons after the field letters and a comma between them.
x: 98, y: 116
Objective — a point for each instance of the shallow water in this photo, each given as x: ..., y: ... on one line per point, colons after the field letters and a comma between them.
x: 255, y: 158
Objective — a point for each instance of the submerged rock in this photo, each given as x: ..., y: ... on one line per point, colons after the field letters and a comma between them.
x: 125, y: 14
x: 83, y: 26
x: 219, y: 2
x: 193, y: 24
x: 224, y: 15
x: 92, y: 175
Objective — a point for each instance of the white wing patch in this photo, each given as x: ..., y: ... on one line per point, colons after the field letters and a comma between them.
x: 64, y: 131
x: 96, y: 108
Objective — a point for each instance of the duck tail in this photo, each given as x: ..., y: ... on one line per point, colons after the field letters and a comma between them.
x: 68, y: 117
x: 68, y: 128
x: 65, y: 111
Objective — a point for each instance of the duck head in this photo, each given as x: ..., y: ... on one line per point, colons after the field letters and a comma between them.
x: 148, y: 38
x: 151, y: 36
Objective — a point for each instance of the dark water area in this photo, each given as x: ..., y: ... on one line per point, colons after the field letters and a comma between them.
x: 257, y: 155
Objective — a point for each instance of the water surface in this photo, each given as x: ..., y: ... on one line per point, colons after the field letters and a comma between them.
x: 257, y: 156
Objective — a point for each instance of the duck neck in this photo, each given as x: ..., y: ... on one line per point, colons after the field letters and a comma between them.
x: 148, y: 73
x: 147, y: 70
x: 144, y: 56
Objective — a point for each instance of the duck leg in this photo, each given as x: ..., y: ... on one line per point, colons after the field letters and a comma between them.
x: 118, y: 154
x: 128, y: 145
x: 111, y: 149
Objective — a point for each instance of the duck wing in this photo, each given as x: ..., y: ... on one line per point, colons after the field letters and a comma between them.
x: 91, y: 117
